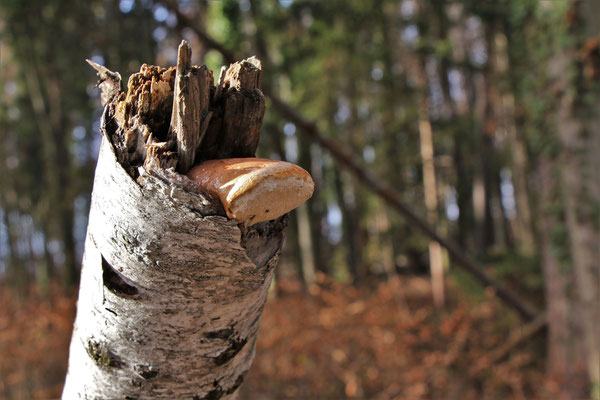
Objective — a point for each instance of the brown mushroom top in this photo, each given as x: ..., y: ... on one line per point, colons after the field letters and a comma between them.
x: 253, y: 190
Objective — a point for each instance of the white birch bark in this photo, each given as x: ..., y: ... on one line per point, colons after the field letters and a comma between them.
x: 170, y: 296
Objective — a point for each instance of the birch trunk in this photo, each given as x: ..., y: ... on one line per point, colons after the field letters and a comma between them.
x: 171, y: 290
x: 171, y: 294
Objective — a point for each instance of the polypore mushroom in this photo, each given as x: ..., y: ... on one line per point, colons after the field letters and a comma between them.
x: 253, y: 190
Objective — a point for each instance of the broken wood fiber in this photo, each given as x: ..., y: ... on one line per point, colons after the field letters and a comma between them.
x: 240, y: 108
x: 177, y: 115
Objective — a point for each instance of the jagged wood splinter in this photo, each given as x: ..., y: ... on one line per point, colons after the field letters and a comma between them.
x: 191, y: 114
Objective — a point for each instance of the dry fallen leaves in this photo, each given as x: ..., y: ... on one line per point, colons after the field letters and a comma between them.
x: 334, y: 342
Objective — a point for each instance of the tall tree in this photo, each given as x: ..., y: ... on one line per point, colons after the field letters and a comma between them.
x: 570, y: 234
x: 576, y: 70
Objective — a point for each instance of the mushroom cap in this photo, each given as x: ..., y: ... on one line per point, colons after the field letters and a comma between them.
x: 253, y: 190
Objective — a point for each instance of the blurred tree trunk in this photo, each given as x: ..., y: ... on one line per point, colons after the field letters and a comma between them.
x: 306, y: 219
x: 353, y: 194
x: 482, y: 202
x: 494, y: 223
x: 524, y: 230
x: 464, y: 147
x: 487, y: 181
x: 582, y: 222
x: 48, y: 259
x: 464, y: 191
x: 347, y: 195
x: 292, y: 244
x: 524, y: 227
x: 495, y: 79
x: 566, y: 353
x: 306, y: 250
x: 347, y: 226
x: 317, y: 208
x: 436, y: 265
x: 360, y: 214
x: 575, y: 69
x: 394, y: 124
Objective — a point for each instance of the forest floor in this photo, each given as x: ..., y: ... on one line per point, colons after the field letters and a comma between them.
x: 332, y: 342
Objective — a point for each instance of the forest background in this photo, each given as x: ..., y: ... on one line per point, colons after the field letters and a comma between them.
x: 477, y: 122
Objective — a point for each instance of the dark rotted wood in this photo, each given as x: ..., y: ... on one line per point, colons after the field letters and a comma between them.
x: 176, y: 118
x: 238, y: 110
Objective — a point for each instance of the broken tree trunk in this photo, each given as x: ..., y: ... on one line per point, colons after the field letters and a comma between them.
x: 171, y: 289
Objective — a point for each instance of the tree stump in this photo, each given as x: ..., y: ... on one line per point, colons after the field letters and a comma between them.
x: 171, y: 289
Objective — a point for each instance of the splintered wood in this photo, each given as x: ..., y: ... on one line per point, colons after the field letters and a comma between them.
x: 190, y: 116
x: 238, y: 105
x: 142, y: 116
x: 177, y: 117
